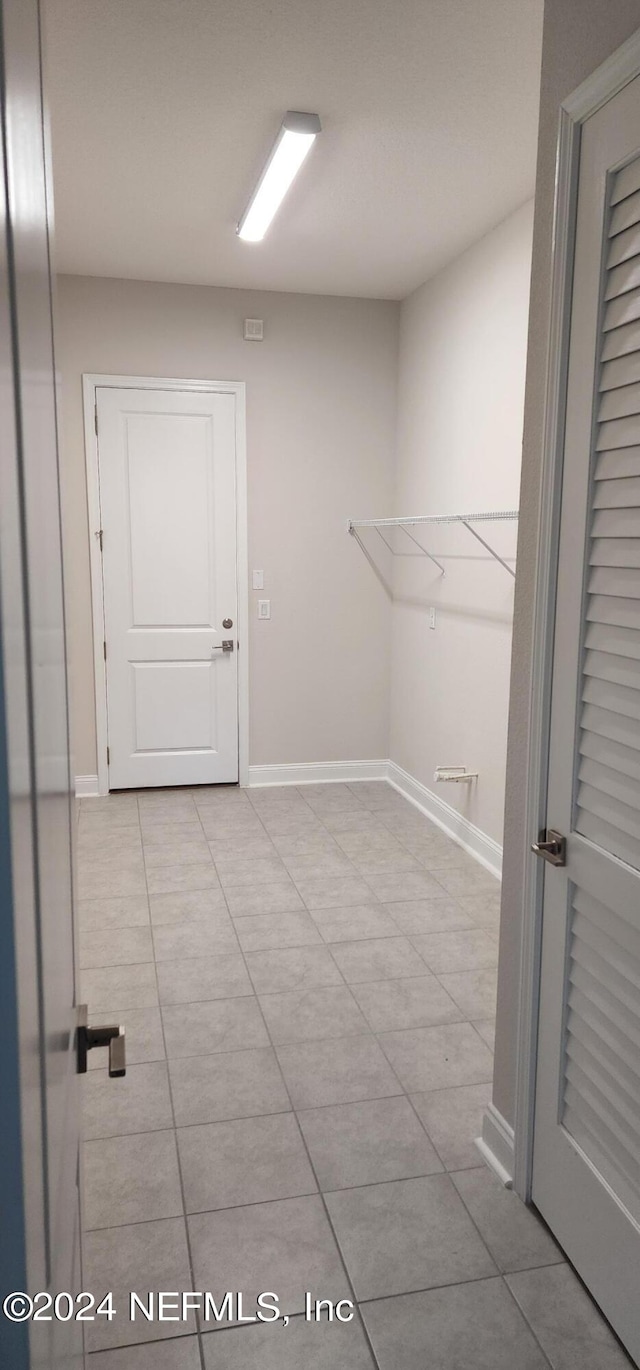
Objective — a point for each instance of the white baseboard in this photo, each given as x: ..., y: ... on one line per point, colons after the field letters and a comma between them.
x: 315, y: 772
x: 472, y: 839
x: 485, y: 849
x: 87, y: 787
x: 497, y: 1145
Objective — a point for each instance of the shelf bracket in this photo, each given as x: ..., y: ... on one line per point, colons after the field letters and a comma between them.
x: 490, y: 549
x: 423, y: 550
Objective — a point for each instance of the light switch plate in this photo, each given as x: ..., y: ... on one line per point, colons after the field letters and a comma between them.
x: 432, y: 618
x: 264, y: 608
x: 258, y: 580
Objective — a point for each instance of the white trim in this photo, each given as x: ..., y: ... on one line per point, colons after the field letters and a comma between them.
x: 487, y: 851
x: 497, y: 1145
x: 606, y: 81
x: 471, y: 839
x: 89, y: 384
x: 315, y: 772
x: 602, y: 85
x: 87, y: 787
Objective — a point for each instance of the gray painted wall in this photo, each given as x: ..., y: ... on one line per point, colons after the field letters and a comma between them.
x: 576, y: 39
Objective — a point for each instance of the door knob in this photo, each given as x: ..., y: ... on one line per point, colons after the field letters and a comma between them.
x: 225, y: 646
x: 107, y: 1034
x: 552, y: 847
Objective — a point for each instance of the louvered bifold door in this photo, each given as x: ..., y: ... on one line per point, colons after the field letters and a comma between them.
x: 600, y: 1099
x: 609, y: 793
x: 586, y: 1170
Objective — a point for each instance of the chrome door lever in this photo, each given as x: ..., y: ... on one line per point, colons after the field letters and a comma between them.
x: 552, y: 847
x: 109, y: 1035
x: 226, y: 645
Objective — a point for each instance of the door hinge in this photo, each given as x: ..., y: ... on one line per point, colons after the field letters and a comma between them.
x: 95, y: 418
x: 104, y: 650
x: 108, y: 757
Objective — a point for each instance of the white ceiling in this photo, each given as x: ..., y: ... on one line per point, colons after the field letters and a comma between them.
x: 163, y: 112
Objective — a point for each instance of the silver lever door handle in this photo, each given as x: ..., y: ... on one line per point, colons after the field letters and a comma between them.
x: 552, y: 847
x: 106, y: 1034
x: 227, y: 645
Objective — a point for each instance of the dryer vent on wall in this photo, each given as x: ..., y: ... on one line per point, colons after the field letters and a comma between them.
x: 458, y: 774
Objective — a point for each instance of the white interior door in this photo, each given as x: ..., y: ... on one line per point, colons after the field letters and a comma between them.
x: 586, y: 1172
x: 40, y: 1124
x: 167, y: 474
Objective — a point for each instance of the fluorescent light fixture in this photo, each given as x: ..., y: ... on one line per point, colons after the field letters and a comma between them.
x: 294, y: 141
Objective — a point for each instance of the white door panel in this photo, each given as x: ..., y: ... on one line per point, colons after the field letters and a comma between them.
x: 40, y: 1126
x: 586, y: 1169
x: 168, y: 506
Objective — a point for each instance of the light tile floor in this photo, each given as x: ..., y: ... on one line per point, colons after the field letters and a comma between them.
x: 307, y: 978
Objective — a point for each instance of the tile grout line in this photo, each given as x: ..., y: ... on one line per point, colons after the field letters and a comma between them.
x: 502, y: 1274
x: 175, y: 1139
x: 279, y: 1112
x: 319, y: 1190
x: 321, y: 1196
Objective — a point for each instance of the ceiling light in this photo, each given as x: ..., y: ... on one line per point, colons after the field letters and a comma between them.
x: 294, y: 141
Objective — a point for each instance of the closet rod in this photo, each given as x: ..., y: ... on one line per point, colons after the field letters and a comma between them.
x: 500, y: 515
x: 494, y: 516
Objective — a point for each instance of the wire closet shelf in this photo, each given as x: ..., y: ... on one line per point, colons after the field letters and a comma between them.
x: 419, y: 520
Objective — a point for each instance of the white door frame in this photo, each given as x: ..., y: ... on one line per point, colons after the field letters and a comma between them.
x: 90, y: 382
x: 610, y: 78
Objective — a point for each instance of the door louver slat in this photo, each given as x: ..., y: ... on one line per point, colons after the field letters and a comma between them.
x: 619, y: 432
x: 619, y: 401
x: 616, y: 698
x: 614, y: 609
x: 600, y: 804
x: 623, y: 1041
x: 598, y: 997
x: 605, y: 1095
x: 618, y: 669
x: 589, y: 1121
x: 623, y: 278
x: 610, y: 754
x: 608, y: 835
x: 616, y: 523
x: 616, y: 581
x: 626, y: 182
x: 621, y: 371
x: 611, y: 937
x: 624, y: 309
x: 592, y: 1055
x: 615, y: 552
x: 624, y: 245
x: 606, y: 637
x: 618, y: 729
x: 610, y: 782
x: 622, y: 493
x: 621, y: 341
x: 625, y: 214
x: 618, y: 463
